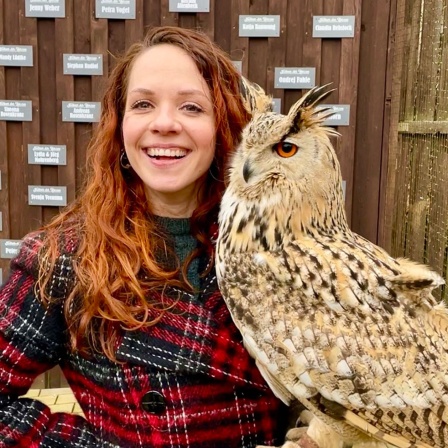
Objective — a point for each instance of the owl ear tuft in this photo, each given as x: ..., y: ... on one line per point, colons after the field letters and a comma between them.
x: 254, y: 97
x: 304, y: 112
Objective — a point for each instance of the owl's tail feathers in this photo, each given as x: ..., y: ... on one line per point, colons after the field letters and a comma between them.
x: 416, y: 277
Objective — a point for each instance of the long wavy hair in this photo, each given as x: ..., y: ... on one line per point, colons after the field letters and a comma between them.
x: 117, y: 237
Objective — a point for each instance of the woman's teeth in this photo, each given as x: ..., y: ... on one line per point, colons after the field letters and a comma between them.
x: 166, y: 152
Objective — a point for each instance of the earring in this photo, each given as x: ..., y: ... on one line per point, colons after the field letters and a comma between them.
x: 124, y: 161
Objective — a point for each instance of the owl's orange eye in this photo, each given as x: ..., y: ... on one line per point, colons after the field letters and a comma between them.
x: 285, y: 149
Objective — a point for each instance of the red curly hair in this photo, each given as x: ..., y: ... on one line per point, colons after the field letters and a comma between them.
x: 117, y: 237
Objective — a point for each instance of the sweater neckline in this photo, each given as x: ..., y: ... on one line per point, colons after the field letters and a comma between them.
x: 174, y: 226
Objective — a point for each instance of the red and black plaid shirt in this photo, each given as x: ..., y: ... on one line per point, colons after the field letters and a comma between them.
x: 186, y: 382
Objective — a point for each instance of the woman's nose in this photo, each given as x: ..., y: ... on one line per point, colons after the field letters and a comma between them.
x: 164, y: 120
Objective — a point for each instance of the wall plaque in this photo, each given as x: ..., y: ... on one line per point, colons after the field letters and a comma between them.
x: 16, y: 55
x: 83, y: 64
x: 16, y: 110
x: 294, y: 77
x: 259, y: 26
x: 277, y: 103
x: 45, y: 8
x: 333, y: 26
x: 81, y: 111
x: 47, y: 154
x: 9, y: 248
x: 115, y: 9
x: 189, y: 6
x: 44, y: 195
x: 341, y: 116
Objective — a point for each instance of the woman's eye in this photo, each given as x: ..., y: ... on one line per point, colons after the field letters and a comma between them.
x: 285, y: 149
x: 141, y: 104
x: 192, y: 108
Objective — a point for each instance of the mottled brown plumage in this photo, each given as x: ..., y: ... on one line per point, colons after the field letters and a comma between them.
x: 332, y: 320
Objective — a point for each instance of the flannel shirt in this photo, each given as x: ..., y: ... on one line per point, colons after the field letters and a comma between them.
x: 185, y: 382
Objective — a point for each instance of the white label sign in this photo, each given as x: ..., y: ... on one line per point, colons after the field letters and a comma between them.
x: 115, y: 9
x: 259, y: 26
x: 47, y: 154
x: 45, y: 8
x: 46, y: 195
x: 16, y: 110
x: 9, y: 248
x: 341, y: 114
x: 81, y: 111
x: 189, y: 6
x: 294, y: 77
x: 333, y: 26
x: 16, y: 55
x: 83, y: 64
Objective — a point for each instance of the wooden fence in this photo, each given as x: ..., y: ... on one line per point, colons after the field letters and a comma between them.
x: 416, y: 210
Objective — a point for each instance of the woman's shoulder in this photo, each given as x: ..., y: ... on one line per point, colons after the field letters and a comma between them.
x: 57, y: 247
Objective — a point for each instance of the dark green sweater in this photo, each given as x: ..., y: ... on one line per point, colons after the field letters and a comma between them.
x: 183, y: 243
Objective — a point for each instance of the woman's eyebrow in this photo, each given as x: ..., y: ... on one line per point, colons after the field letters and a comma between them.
x: 185, y: 92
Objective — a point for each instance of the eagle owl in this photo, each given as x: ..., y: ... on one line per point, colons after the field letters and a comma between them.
x: 332, y: 320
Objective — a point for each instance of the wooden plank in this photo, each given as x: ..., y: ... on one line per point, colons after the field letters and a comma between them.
x: 348, y: 94
x: 294, y: 47
x: 398, y: 212
x: 98, y: 38
x: 152, y: 13
x: 30, y: 130
x: 277, y: 49
x: 423, y: 127
x: 239, y: 46
x: 168, y: 18
x: 258, y: 47
x: 391, y: 185
x: 312, y: 47
x: 49, y: 109
x: 429, y: 62
x: 134, y: 28
x: 331, y: 53
x: 419, y: 198
x: 205, y: 21
x: 4, y: 165
x: 370, y: 119
x: 441, y: 112
x: 387, y: 118
x: 83, y: 89
x: 437, y: 242
x: 65, y: 91
x: 222, y: 31
x: 187, y: 20
x: 14, y: 141
x: 409, y: 35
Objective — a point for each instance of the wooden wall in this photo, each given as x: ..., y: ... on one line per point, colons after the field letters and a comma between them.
x: 357, y: 67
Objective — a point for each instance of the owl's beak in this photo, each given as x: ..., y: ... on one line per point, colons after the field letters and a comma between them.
x: 247, y: 171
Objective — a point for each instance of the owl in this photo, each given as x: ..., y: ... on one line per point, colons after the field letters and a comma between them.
x: 332, y: 320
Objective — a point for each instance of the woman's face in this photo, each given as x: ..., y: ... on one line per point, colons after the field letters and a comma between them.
x: 169, y: 128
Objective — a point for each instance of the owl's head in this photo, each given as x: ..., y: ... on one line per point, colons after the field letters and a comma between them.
x: 287, y: 150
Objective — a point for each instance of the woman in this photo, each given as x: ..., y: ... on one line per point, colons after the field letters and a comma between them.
x: 119, y: 289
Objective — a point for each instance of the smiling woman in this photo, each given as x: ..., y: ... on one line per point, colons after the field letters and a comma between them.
x: 120, y: 289
x: 169, y: 129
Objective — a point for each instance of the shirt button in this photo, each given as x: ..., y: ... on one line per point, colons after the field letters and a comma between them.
x: 153, y: 402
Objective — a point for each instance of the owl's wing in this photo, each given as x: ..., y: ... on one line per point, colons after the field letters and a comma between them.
x: 329, y: 318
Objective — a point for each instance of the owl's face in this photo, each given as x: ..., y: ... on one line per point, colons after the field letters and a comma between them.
x: 284, y: 151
